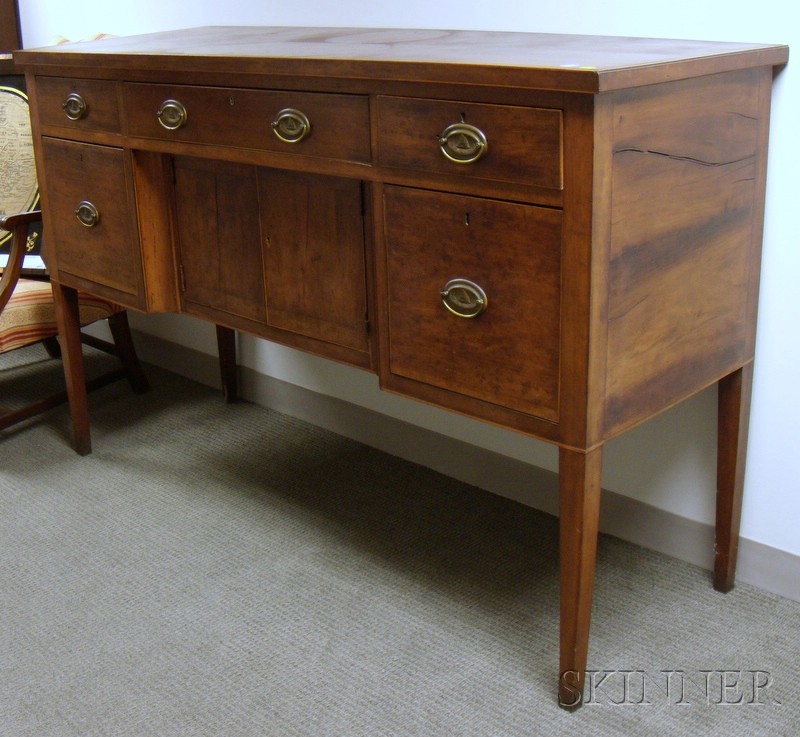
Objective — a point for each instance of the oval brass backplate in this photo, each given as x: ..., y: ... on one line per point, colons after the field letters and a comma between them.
x: 463, y: 143
x: 291, y: 126
x: 464, y: 298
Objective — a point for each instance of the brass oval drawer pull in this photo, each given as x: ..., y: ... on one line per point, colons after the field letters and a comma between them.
x: 87, y: 214
x: 75, y: 106
x: 172, y: 115
x: 463, y: 143
x: 464, y: 298
x: 291, y: 125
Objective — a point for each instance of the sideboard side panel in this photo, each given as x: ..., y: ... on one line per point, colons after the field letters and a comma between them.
x: 686, y: 217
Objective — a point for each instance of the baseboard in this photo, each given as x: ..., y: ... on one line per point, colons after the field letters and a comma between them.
x: 762, y: 566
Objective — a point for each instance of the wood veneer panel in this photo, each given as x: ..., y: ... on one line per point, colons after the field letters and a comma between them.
x: 219, y: 237
x: 339, y: 123
x: 107, y: 254
x: 509, y: 355
x: 524, y: 143
x: 684, y: 204
x: 526, y: 60
x: 313, y: 228
x: 152, y: 175
x: 101, y: 98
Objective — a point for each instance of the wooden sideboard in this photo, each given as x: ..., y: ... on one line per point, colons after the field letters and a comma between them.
x: 557, y: 234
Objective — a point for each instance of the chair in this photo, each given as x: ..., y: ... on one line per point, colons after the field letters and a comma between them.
x: 34, y: 310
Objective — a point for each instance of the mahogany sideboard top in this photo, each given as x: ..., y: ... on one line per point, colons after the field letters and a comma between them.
x: 557, y: 234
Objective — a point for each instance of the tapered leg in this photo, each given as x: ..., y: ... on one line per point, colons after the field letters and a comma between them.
x: 226, y: 347
x: 121, y: 332
x: 734, y: 414
x: 580, y: 478
x: 69, y: 331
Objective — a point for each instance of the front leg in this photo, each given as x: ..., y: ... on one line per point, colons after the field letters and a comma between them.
x: 69, y: 333
x: 580, y: 480
x: 735, y: 391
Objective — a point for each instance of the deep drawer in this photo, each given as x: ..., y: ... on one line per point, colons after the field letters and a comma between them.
x: 521, y: 145
x: 90, y: 196
x: 337, y: 126
x: 509, y: 354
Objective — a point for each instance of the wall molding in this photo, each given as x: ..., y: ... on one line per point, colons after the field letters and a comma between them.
x: 762, y: 566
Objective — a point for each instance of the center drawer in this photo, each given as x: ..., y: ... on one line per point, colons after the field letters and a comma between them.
x: 335, y: 126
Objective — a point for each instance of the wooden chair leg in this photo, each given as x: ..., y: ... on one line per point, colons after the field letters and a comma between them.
x: 52, y: 347
x: 579, y: 495
x: 735, y: 391
x: 69, y: 329
x: 121, y: 332
x: 226, y: 347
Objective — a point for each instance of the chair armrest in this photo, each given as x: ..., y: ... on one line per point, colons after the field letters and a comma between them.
x: 18, y: 225
x: 9, y: 222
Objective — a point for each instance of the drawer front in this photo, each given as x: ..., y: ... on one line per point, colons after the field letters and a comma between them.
x: 508, y: 354
x: 329, y: 125
x: 101, y: 247
x: 82, y: 104
x: 510, y: 144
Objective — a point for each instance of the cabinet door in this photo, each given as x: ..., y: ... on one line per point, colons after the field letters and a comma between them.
x: 502, y: 351
x: 219, y: 240
x: 90, y: 197
x: 279, y: 254
x: 314, y: 256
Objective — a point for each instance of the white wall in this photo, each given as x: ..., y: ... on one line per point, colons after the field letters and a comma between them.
x: 669, y: 462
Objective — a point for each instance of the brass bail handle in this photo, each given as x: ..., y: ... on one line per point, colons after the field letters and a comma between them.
x: 74, y: 106
x: 87, y: 214
x: 172, y: 115
x: 291, y: 126
x: 463, y: 143
x: 464, y: 298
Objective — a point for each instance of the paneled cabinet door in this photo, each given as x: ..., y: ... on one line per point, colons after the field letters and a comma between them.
x: 313, y: 233
x: 216, y: 206
x: 276, y: 253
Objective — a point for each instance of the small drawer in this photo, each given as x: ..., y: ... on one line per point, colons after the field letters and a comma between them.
x: 306, y: 123
x: 83, y: 104
x: 474, y: 299
x: 506, y: 143
x: 90, y: 196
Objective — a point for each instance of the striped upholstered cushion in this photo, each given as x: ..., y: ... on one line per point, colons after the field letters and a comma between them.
x: 30, y: 316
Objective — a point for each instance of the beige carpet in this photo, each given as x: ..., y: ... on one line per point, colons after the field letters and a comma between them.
x: 229, y: 571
